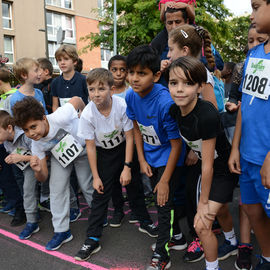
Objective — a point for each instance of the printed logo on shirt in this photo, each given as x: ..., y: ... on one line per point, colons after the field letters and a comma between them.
x: 258, y: 66
x: 150, y: 117
x: 111, y: 139
x: 149, y: 135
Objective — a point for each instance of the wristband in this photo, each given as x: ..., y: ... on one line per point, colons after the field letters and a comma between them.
x: 128, y: 164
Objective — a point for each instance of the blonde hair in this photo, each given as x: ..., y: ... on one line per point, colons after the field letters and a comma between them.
x: 195, y: 38
x: 67, y: 49
x: 22, y: 67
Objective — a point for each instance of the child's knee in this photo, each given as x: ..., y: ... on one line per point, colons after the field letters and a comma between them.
x: 201, y: 229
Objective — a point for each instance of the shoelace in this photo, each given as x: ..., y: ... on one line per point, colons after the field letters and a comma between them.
x: 193, y: 246
x: 85, y: 247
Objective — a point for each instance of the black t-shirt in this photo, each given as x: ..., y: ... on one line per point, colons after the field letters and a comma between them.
x: 203, y: 123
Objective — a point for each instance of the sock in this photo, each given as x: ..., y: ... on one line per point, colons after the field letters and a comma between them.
x: 94, y: 238
x: 178, y: 236
x: 211, y: 265
x: 230, y: 236
x: 266, y: 258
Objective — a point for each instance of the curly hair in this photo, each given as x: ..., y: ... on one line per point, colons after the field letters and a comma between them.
x: 6, y: 119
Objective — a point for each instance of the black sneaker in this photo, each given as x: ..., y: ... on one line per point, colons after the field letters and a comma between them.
x: 243, y: 261
x: 19, y: 218
x: 89, y: 247
x: 133, y: 218
x: 194, y: 252
x: 45, y: 206
x: 150, y: 229
x: 157, y: 263
x: 117, y: 219
x: 174, y: 244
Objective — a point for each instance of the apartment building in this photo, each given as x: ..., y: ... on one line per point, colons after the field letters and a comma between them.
x: 36, y: 28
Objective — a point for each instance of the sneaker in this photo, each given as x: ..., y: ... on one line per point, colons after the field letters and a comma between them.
x: 149, y: 229
x: 133, y: 218
x: 8, y: 207
x: 19, y: 218
x: 263, y: 264
x: 158, y: 264
x: 12, y: 212
x: 75, y: 213
x: 226, y: 250
x: 243, y: 261
x: 59, y: 239
x: 105, y: 223
x: 174, y: 244
x: 45, y: 206
x: 89, y: 247
x: 29, y: 229
x: 194, y: 252
x: 116, y: 221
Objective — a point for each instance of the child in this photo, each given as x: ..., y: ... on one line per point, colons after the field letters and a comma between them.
x: 109, y: 140
x: 26, y: 71
x: 71, y: 83
x: 56, y: 133
x: 18, y: 145
x: 201, y: 128
x: 250, y: 147
x: 157, y: 140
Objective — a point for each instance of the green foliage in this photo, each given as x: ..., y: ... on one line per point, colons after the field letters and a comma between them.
x: 138, y: 23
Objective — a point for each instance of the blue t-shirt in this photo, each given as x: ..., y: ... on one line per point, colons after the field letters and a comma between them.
x: 156, y: 125
x: 255, y: 132
x: 76, y: 86
x: 18, y: 96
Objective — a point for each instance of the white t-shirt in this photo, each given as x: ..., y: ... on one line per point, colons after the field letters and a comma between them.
x: 210, y: 78
x: 108, y: 132
x: 64, y: 120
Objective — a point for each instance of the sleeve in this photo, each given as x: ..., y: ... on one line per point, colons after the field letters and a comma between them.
x: 129, y: 110
x: 64, y: 115
x: 210, y: 78
x: 41, y: 98
x: 210, y: 125
x: 127, y: 123
x: 86, y: 129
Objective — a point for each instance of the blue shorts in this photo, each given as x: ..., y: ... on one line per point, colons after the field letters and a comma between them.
x: 252, y: 190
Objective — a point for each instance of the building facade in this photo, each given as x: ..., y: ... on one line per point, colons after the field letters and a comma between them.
x: 36, y: 28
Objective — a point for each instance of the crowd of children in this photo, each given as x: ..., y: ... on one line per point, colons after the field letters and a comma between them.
x: 122, y: 127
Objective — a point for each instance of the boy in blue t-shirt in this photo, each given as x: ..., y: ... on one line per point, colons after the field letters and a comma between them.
x: 157, y: 140
x: 250, y: 156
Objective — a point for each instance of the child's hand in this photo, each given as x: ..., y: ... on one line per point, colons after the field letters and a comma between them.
x: 164, y: 64
x: 146, y: 169
x: 13, y: 158
x: 162, y: 189
x: 191, y: 159
x: 234, y: 161
x: 204, y: 215
x: 231, y: 107
x: 175, y: 5
x: 125, y: 177
x: 98, y: 185
x: 35, y: 164
x: 265, y: 171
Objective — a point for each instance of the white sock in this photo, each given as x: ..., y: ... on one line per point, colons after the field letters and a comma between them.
x: 211, y: 265
x: 230, y: 236
x: 178, y: 236
x: 266, y: 258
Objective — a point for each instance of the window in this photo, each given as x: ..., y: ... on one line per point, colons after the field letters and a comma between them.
x: 60, y: 3
x: 9, y: 48
x: 6, y: 15
x: 105, y: 56
x: 52, y: 47
x: 54, y: 21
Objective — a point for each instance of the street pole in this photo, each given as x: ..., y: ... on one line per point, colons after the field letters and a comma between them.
x: 115, y: 29
x: 46, y: 34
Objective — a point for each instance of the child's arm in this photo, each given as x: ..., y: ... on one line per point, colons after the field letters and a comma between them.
x: 208, y: 153
x: 209, y: 94
x: 55, y: 103
x: 162, y: 187
x: 265, y: 171
x: 145, y: 168
x: 39, y: 167
x: 77, y: 103
x: 234, y: 160
x: 15, y: 158
x: 125, y: 177
x: 92, y: 157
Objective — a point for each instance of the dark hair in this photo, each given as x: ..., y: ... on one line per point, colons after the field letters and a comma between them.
x: 193, y: 69
x: 267, y: 1
x: 4, y: 74
x: 6, y: 119
x: 45, y: 63
x: 145, y: 56
x: 230, y: 65
x: 117, y: 57
x: 27, y: 109
x: 79, y: 66
x: 173, y: 10
x: 100, y: 74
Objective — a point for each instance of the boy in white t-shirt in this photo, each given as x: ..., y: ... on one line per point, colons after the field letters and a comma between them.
x: 109, y: 142
x: 56, y: 133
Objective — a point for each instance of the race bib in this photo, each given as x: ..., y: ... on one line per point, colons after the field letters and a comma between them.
x: 149, y: 135
x: 67, y: 150
x: 256, y: 82
x: 21, y: 151
x: 112, y: 139
x: 63, y: 101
